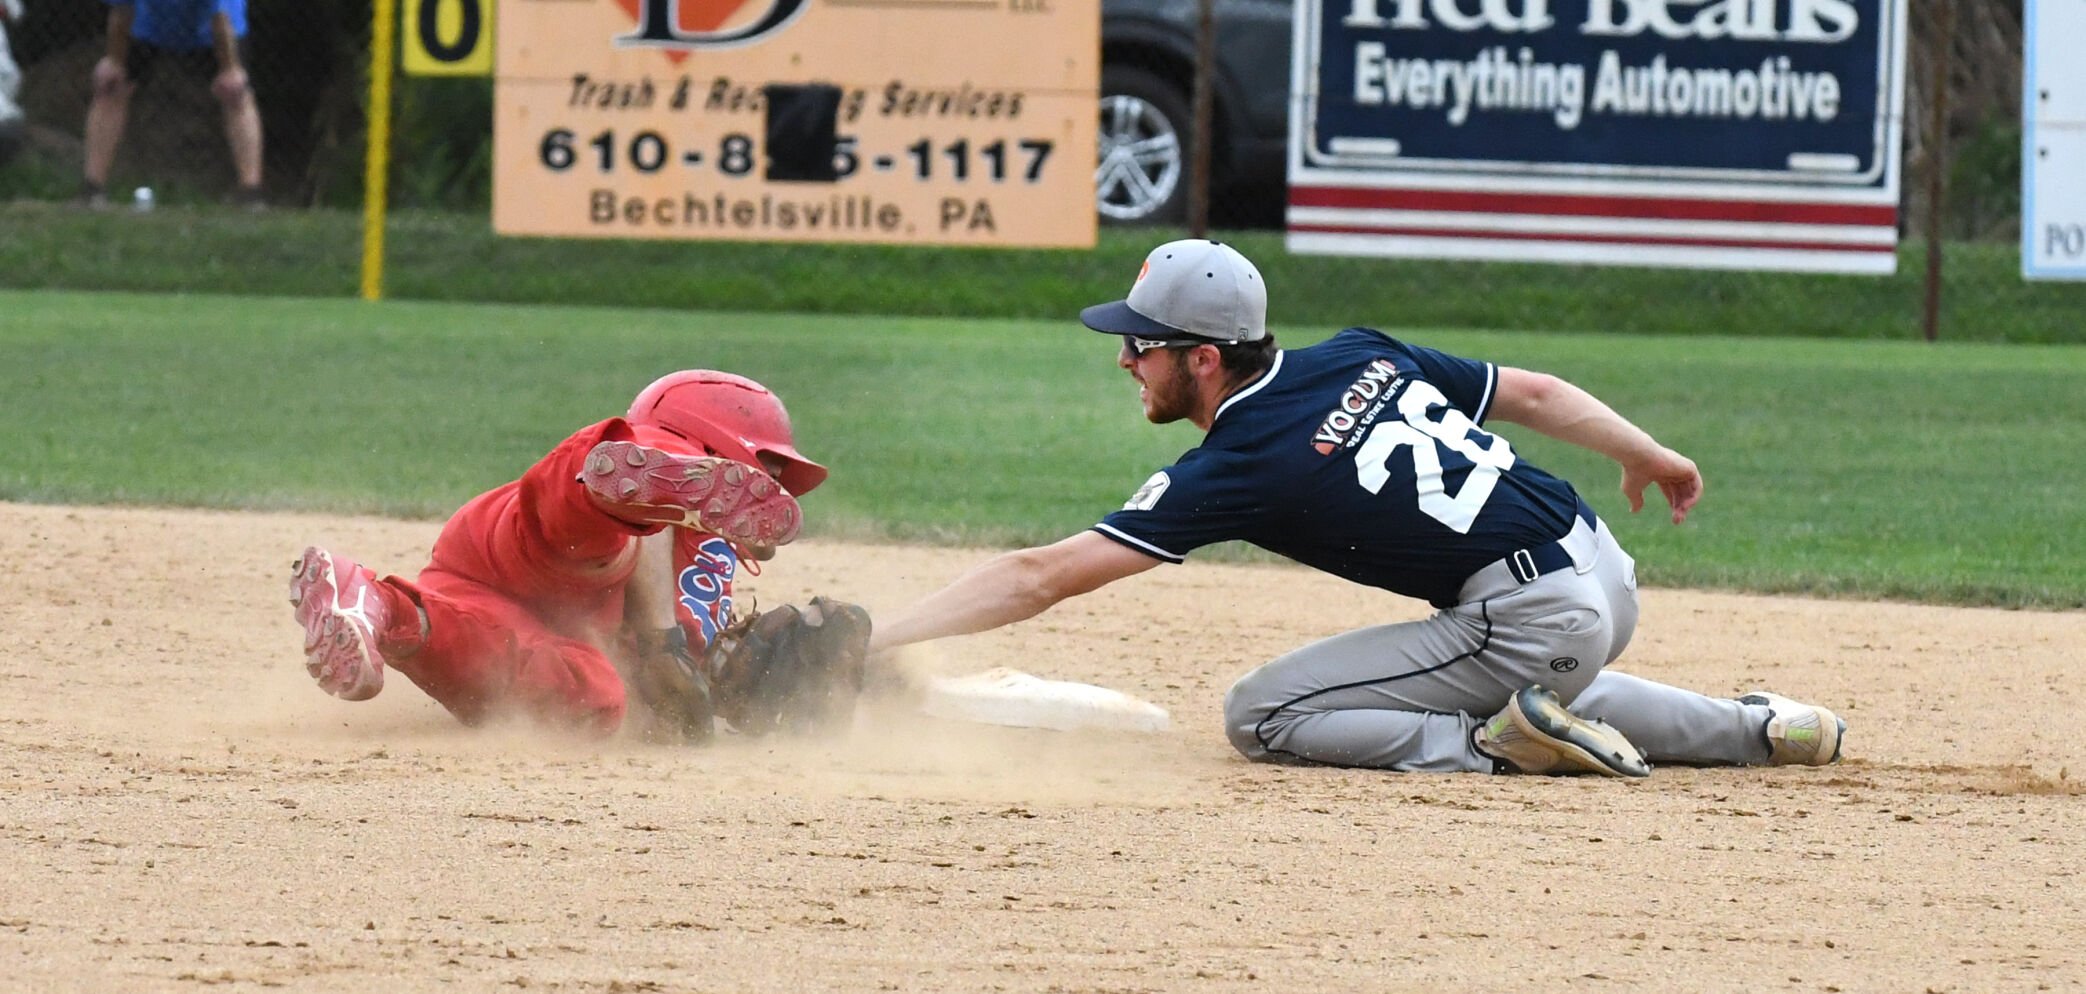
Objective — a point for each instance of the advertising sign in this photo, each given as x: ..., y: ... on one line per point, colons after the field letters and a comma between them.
x: 2053, y: 152
x: 954, y: 122
x: 1728, y: 133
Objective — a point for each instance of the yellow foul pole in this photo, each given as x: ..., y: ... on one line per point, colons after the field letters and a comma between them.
x: 377, y: 161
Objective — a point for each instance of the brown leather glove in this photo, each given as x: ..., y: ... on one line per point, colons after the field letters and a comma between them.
x: 791, y: 669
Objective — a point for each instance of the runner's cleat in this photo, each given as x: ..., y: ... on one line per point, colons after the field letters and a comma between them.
x: 1535, y: 734
x: 338, y: 605
x: 1799, y: 734
x: 729, y: 499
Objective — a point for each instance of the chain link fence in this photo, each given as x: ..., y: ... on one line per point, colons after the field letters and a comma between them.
x: 308, y: 61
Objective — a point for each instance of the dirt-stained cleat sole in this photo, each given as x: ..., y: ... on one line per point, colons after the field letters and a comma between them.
x: 1535, y: 734
x: 338, y: 605
x: 1799, y: 734
x: 729, y: 499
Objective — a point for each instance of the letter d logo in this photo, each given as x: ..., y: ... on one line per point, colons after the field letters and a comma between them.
x: 695, y: 23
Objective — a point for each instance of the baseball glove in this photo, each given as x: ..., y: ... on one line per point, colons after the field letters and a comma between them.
x: 790, y: 669
x: 672, y: 682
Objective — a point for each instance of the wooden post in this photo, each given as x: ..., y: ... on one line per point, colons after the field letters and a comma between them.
x: 1205, y: 102
x: 1941, y: 41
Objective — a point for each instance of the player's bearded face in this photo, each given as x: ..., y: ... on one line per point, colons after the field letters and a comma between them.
x: 1169, y: 392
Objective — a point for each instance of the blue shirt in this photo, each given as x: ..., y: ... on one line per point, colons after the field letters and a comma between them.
x: 181, y: 24
x: 1361, y: 456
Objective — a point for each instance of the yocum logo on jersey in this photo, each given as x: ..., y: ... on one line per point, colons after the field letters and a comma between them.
x: 692, y: 24
x: 1358, y: 407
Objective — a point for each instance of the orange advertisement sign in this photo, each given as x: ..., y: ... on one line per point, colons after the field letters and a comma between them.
x: 947, y: 122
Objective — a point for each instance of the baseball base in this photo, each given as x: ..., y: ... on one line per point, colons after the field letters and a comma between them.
x: 1010, y: 697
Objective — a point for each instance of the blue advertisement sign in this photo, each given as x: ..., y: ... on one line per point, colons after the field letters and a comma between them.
x: 1757, y: 91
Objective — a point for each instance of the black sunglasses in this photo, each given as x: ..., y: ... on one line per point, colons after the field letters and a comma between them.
x: 1140, y: 346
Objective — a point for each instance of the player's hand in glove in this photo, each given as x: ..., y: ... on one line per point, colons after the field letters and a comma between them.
x: 671, y: 681
x: 790, y: 669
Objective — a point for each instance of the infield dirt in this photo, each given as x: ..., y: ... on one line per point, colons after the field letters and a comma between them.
x: 180, y: 808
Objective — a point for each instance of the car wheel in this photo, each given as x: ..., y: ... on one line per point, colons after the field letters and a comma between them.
x: 1142, y: 176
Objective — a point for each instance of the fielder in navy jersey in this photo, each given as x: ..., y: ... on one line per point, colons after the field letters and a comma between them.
x: 1367, y: 457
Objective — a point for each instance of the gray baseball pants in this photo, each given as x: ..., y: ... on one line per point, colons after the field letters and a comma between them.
x: 1408, y: 696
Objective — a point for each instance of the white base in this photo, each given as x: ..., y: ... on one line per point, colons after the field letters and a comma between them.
x: 1011, y: 697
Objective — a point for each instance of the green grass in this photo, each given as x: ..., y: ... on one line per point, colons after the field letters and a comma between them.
x: 1942, y: 473
x: 435, y: 256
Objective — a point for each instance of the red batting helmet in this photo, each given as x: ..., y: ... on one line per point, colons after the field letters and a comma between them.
x: 735, y: 417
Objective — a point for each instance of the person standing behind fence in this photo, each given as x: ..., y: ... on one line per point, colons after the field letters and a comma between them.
x: 14, y: 125
x: 203, y: 38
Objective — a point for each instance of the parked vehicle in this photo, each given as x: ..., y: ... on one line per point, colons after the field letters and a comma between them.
x: 1147, y: 89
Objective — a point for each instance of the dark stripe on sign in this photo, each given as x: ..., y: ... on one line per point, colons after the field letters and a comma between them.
x: 1875, y: 215
x: 1570, y: 236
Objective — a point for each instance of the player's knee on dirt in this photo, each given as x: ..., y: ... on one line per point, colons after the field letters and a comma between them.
x: 1245, y: 712
x: 578, y: 690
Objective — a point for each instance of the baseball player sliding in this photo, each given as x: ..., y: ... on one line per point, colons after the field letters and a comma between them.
x: 1365, y: 457
x: 619, y: 546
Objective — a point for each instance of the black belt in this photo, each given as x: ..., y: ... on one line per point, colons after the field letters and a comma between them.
x: 1538, y: 560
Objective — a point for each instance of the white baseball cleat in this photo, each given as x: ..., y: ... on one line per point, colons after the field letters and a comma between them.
x: 1799, y: 734
x: 340, y: 610
x: 1535, y: 734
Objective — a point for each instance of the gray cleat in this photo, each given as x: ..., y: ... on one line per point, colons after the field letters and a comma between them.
x: 1535, y: 734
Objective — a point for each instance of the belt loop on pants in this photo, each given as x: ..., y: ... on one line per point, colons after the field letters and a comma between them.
x: 1527, y: 565
x: 1524, y: 566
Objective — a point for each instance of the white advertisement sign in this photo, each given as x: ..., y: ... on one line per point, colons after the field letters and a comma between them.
x: 2053, y: 153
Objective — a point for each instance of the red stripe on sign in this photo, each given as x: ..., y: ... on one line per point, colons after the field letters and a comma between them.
x: 1554, y: 236
x: 1590, y: 206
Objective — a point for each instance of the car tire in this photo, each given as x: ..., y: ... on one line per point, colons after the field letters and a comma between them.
x: 1141, y: 176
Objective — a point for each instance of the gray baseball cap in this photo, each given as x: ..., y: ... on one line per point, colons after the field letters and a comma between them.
x: 1191, y: 290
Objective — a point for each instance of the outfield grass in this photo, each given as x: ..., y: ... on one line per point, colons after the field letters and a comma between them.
x: 456, y: 257
x: 1944, y: 473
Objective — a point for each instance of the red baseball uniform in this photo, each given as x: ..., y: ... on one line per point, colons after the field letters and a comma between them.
x: 524, y: 593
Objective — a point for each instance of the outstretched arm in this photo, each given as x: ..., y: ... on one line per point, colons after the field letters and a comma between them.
x: 1567, y: 413
x: 1012, y: 587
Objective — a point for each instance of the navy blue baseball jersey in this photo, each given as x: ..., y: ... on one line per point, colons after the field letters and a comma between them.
x: 1361, y: 456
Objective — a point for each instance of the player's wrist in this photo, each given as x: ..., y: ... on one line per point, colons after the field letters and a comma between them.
x: 658, y: 641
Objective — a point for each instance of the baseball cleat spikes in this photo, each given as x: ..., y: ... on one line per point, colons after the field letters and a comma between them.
x: 1799, y: 734
x: 337, y: 603
x: 644, y: 485
x: 1535, y: 734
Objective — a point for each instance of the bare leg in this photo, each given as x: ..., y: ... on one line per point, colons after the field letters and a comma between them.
x: 243, y: 130
x: 105, y: 119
